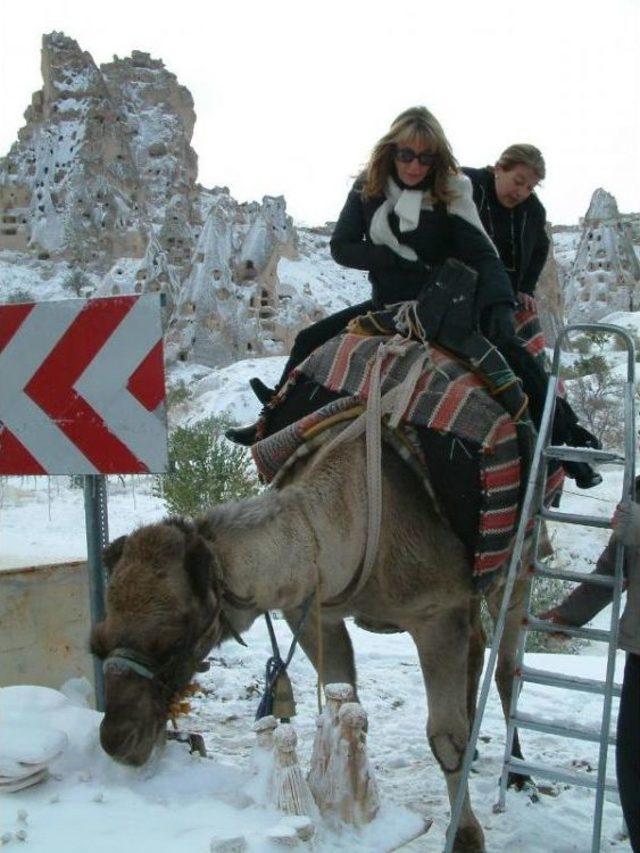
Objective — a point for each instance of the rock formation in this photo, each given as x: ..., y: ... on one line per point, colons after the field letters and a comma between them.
x: 549, y: 296
x: 606, y: 274
x: 101, y: 185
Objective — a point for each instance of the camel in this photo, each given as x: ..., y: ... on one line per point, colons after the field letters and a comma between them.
x: 179, y: 588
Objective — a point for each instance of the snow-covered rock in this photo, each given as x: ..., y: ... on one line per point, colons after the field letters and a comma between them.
x: 606, y: 273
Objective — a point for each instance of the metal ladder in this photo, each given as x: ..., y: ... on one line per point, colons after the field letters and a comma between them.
x: 533, y: 506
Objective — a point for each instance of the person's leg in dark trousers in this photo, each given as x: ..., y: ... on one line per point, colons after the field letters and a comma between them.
x: 306, y: 341
x: 565, y: 428
x: 319, y: 333
x: 628, y: 749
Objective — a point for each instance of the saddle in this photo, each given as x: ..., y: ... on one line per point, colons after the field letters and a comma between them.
x: 467, y: 410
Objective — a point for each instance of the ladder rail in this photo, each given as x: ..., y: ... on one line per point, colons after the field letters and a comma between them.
x: 535, y: 487
x: 628, y: 491
x: 522, y: 637
x: 512, y: 573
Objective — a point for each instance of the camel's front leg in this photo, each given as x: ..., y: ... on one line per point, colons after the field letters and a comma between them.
x: 443, y: 645
x: 337, y: 663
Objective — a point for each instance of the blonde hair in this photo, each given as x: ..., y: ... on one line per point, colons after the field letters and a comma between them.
x: 523, y: 154
x: 414, y: 124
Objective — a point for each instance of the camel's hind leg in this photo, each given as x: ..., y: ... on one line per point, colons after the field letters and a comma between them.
x: 442, y: 642
x: 477, y: 645
x: 506, y: 665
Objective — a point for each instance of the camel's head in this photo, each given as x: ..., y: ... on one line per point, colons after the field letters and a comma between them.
x: 163, y: 617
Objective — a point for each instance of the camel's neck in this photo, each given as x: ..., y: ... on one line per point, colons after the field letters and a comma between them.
x: 273, y: 549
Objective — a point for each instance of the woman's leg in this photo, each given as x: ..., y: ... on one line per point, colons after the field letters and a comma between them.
x: 319, y: 333
x: 628, y: 749
x: 306, y: 341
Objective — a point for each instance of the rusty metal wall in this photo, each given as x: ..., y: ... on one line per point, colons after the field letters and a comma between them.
x: 44, y: 625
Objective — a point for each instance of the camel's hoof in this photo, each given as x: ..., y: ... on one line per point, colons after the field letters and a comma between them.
x: 519, y: 781
x: 469, y: 839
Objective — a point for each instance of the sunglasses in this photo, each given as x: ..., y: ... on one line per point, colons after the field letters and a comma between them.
x: 408, y: 155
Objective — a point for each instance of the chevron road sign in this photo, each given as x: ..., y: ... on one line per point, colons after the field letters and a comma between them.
x: 82, y: 387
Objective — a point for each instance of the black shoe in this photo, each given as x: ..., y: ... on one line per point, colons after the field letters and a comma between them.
x: 262, y: 391
x: 583, y: 474
x: 246, y: 435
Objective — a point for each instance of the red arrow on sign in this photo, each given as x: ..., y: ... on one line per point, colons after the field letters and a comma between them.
x: 82, y: 387
x: 52, y: 389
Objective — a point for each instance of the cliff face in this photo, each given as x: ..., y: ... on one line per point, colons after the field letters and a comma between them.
x: 101, y: 185
x: 606, y: 274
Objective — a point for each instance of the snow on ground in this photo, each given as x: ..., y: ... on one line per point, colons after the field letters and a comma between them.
x: 224, y: 392
x: 182, y: 801
x: 316, y: 275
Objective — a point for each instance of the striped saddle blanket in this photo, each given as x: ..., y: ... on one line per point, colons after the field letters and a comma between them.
x: 446, y: 398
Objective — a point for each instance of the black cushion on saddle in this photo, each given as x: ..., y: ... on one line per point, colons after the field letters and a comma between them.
x: 304, y: 397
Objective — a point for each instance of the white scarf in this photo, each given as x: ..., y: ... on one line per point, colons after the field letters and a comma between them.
x: 406, y: 204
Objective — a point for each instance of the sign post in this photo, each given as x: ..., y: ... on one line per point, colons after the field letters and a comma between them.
x: 97, y: 530
x: 82, y: 392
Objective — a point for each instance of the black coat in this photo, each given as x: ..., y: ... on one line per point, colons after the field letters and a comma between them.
x: 526, y: 257
x: 441, y: 233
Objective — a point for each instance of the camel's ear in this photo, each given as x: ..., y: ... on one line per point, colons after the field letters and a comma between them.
x: 98, y: 640
x: 113, y: 552
x: 198, y: 563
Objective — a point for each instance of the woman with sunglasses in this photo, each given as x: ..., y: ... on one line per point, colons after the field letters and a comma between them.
x: 410, y: 210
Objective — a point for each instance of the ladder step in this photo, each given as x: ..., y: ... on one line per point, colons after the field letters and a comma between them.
x: 583, y: 454
x: 574, y: 518
x: 533, y: 624
x: 566, y: 682
x: 576, y: 577
x: 535, y: 724
x: 585, y: 780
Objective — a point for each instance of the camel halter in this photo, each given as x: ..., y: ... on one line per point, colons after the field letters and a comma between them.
x: 124, y: 659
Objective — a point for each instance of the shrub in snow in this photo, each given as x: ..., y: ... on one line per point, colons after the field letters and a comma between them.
x: 207, y: 469
x: 77, y: 282
x: 19, y: 295
x: 177, y: 394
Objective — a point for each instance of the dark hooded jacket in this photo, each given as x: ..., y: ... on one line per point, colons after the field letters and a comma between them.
x: 518, y: 233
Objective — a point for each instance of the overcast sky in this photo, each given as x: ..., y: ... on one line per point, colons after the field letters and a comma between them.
x: 291, y: 96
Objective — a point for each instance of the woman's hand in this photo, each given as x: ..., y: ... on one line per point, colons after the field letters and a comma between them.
x: 528, y: 302
x: 626, y: 523
x: 555, y: 618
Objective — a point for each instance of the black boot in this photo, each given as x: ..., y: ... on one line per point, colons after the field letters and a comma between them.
x: 581, y: 437
x: 572, y: 432
x: 246, y: 435
x: 262, y: 391
x: 583, y: 474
